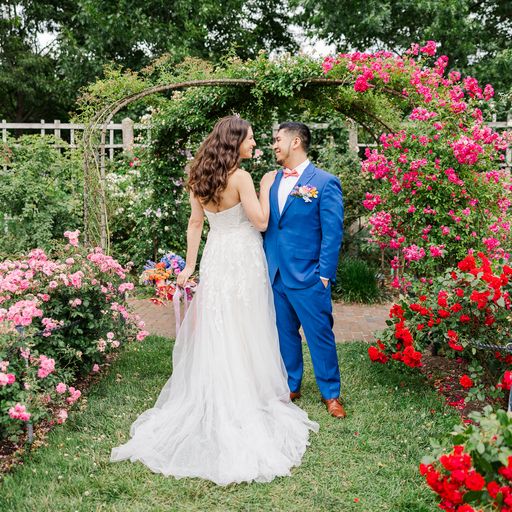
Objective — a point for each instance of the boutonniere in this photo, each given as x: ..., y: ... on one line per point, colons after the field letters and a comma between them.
x: 306, y: 192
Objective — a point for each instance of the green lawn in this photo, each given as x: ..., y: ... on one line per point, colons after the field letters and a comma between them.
x: 372, y: 455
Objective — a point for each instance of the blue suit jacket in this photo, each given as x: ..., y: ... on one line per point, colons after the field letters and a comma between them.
x: 303, y: 242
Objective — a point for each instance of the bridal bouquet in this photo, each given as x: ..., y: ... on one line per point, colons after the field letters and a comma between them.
x: 163, y: 276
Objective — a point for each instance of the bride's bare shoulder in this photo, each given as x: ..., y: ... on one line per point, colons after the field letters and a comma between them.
x: 240, y: 175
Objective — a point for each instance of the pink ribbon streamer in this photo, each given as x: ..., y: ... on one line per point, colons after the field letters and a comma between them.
x: 176, y: 302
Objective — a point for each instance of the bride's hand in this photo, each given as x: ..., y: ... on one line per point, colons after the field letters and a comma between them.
x: 184, y: 276
x: 267, y: 180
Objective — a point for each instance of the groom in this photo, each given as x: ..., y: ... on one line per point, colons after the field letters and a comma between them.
x: 302, y: 244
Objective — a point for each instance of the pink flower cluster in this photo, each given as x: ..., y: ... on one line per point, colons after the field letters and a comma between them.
x: 46, y: 366
x: 74, y: 395
x: 413, y: 253
x: 371, y: 201
x: 141, y: 335
x: 72, y: 236
x: 19, y: 412
x: 443, y: 160
x: 7, y: 378
x: 467, y: 151
x: 21, y: 313
x: 106, y: 263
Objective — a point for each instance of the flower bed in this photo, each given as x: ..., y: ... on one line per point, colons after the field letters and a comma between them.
x: 59, y: 318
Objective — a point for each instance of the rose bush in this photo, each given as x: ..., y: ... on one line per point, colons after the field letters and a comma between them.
x: 440, y: 187
x: 466, y: 309
x: 472, y: 469
x: 58, y: 319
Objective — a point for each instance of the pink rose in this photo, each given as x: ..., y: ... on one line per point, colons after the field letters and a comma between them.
x: 60, y: 387
x: 62, y: 416
x: 141, y: 335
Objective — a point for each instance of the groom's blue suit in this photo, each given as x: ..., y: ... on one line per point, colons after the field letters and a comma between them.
x: 302, y: 243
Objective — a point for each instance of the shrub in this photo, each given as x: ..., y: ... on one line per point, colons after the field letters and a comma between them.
x: 356, y: 281
x: 58, y: 320
x: 41, y: 193
x: 439, y: 190
x: 467, y: 306
x: 472, y: 468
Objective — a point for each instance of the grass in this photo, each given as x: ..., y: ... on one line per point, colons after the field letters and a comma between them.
x: 372, y: 455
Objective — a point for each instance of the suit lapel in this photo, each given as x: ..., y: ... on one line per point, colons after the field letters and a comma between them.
x: 306, y: 176
x: 274, y: 193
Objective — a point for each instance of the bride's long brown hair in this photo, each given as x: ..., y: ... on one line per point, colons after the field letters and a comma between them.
x: 217, y: 158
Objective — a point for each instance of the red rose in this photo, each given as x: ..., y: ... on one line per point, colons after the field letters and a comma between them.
x: 454, y: 345
x: 411, y: 357
x: 456, y: 307
x: 468, y: 263
x: 465, y: 508
x: 459, y: 292
x: 493, y: 489
x: 489, y: 320
x: 443, y: 313
x: 506, y: 381
x: 507, y: 471
x: 376, y: 355
x: 397, y: 311
x: 475, y: 481
x: 466, y: 382
x: 464, y: 319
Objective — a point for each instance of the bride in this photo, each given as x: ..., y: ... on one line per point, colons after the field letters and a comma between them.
x: 225, y: 414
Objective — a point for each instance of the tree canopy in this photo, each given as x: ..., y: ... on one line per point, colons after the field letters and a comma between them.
x: 43, y: 82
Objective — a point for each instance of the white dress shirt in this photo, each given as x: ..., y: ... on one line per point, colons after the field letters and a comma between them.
x: 286, y: 185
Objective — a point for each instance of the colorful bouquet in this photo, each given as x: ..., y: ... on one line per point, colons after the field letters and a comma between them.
x: 163, y: 276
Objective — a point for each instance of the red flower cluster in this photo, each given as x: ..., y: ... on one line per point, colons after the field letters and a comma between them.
x: 456, y: 476
x: 453, y: 312
x: 376, y: 354
x: 404, y: 350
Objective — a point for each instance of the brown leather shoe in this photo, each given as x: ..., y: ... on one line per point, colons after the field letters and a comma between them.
x: 334, y: 408
x: 295, y: 395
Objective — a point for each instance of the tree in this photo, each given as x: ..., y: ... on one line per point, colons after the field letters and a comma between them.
x: 476, y: 35
x: 41, y: 82
x: 30, y: 86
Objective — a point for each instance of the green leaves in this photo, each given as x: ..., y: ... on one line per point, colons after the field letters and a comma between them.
x: 40, y: 193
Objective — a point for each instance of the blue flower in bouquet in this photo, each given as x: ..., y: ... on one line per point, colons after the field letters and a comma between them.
x: 149, y: 265
x: 173, y: 262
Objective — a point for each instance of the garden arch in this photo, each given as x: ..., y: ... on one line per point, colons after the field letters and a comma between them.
x: 96, y: 222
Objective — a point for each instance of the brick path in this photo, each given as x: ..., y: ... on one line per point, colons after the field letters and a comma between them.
x: 351, y: 321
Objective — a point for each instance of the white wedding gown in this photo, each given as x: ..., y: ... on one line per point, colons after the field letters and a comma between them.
x: 225, y: 414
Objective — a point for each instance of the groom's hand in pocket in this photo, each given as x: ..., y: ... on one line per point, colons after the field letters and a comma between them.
x: 325, y: 281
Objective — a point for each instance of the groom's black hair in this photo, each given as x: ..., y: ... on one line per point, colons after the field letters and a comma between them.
x: 301, y: 130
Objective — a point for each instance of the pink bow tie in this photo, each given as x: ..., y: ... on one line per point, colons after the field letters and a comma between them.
x: 289, y: 172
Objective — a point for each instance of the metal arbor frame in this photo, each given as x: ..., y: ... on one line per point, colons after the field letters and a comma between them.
x: 96, y: 224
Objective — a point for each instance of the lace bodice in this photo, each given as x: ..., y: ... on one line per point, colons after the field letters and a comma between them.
x: 235, y: 248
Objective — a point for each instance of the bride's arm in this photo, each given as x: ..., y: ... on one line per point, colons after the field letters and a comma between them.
x: 194, y: 232
x: 257, y: 210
